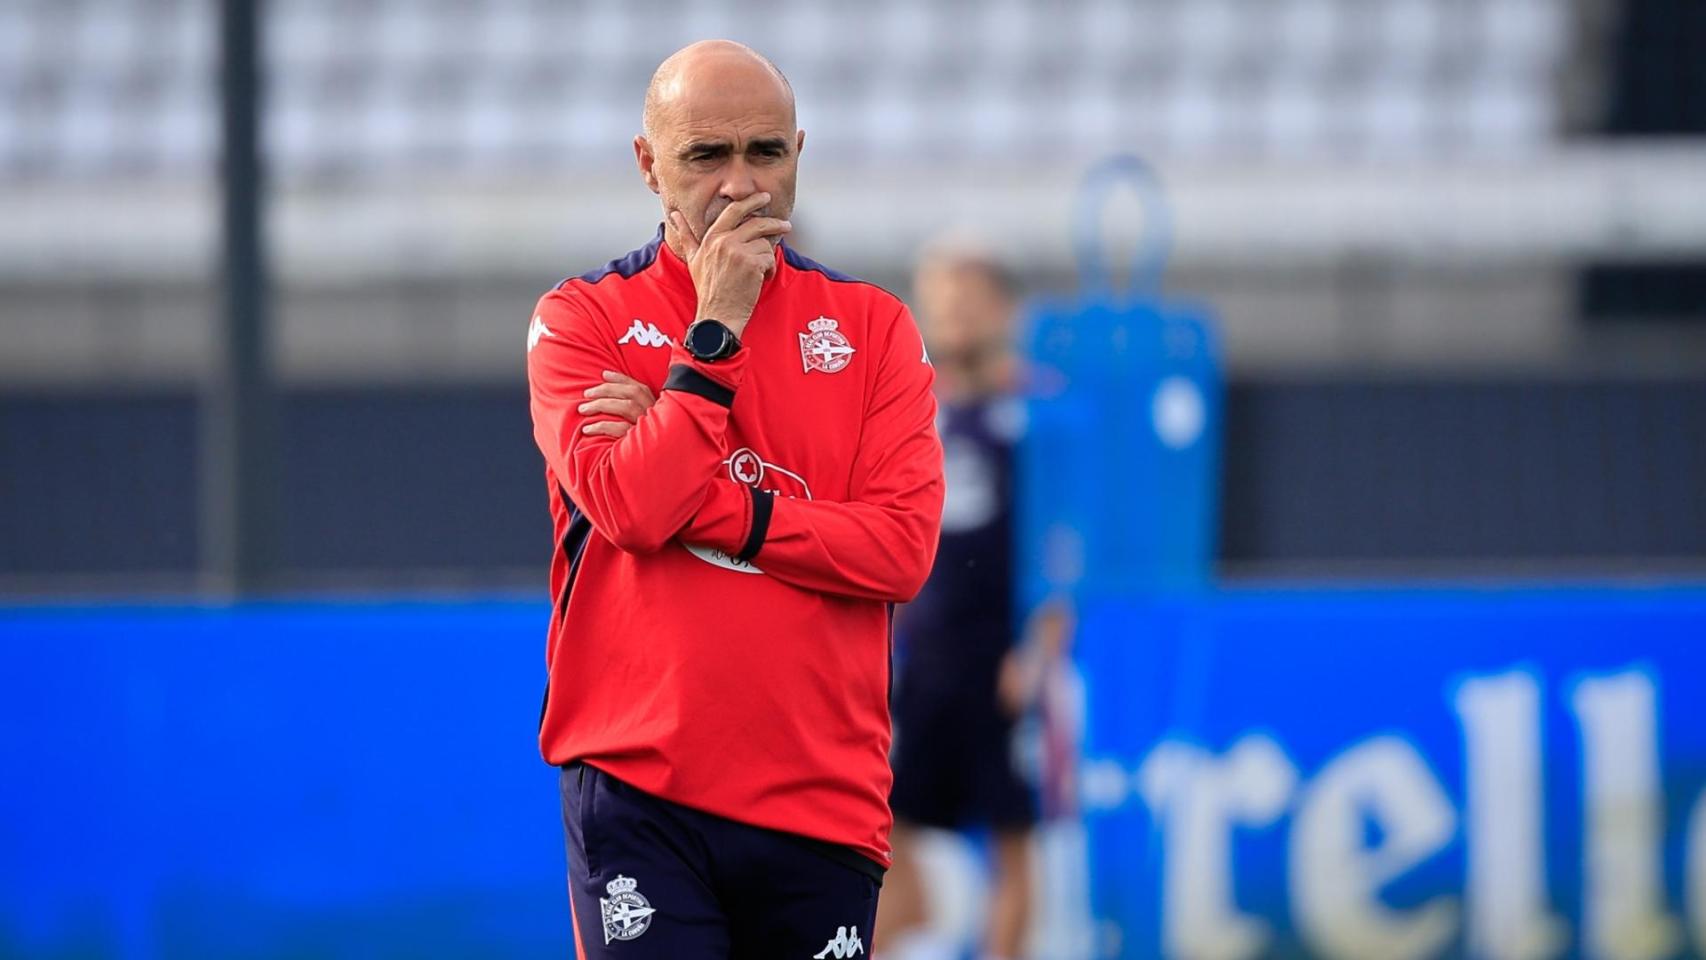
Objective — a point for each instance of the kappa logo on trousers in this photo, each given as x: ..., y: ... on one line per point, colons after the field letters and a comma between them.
x: 843, y: 945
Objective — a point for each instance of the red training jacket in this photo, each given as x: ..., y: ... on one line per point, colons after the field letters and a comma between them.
x: 725, y: 573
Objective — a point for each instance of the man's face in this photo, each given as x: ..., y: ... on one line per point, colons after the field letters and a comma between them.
x: 965, y: 312
x: 718, y: 143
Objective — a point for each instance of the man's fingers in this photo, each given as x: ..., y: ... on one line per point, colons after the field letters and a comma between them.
x: 631, y: 393
x: 619, y: 385
x: 618, y: 396
x: 762, y: 253
x: 735, y: 212
x: 626, y: 409
x: 759, y: 228
x: 608, y: 428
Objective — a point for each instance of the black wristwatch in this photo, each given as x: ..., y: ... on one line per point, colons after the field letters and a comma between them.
x: 709, y: 341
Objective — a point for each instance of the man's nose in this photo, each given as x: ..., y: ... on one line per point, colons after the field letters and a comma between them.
x: 738, y: 183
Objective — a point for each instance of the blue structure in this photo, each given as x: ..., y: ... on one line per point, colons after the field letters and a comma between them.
x: 1121, y: 453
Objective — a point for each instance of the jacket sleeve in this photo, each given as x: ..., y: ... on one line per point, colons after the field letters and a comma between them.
x: 642, y: 488
x: 880, y: 543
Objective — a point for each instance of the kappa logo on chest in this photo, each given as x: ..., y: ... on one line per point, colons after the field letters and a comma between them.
x: 646, y: 335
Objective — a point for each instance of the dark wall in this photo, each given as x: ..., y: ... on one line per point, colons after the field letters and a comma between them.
x: 1656, y: 88
x: 1476, y: 475
x: 97, y: 482
x: 399, y: 486
x: 376, y: 486
x: 443, y: 479
x: 1658, y: 70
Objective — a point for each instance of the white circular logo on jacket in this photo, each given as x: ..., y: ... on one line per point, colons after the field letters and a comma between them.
x: 749, y: 469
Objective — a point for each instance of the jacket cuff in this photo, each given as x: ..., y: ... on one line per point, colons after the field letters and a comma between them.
x: 758, y: 528
x: 716, y: 382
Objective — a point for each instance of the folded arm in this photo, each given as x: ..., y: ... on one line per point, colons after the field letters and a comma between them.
x: 880, y: 543
x: 640, y: 486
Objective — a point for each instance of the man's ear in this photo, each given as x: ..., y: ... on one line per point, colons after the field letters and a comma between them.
x: 647, y: 161
x: 799, y: 141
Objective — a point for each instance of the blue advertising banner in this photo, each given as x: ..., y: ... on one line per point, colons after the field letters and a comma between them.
x: 1509, y: 775
x: 1299, y: 773
x: 317, y: 780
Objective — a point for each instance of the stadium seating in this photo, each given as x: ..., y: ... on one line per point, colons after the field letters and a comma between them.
x: 122, y: 88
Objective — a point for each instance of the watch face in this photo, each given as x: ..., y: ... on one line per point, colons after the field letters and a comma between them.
x: 706, y: 339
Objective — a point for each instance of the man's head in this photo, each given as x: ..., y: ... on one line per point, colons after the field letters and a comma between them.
x: 719, y: 127
x: 967, y: 305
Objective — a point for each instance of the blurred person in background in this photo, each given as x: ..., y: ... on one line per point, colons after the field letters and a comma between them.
x: 744, y: 476
x: 962, y: 682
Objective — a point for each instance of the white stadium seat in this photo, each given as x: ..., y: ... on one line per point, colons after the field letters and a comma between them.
x: 376, y: 87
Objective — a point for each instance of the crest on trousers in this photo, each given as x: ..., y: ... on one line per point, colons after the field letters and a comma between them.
x: 626, y: 913
x: 825, y: 348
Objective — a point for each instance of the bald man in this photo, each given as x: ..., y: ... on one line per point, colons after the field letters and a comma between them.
x: 744, y: 478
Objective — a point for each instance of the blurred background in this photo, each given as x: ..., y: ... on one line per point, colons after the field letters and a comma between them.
x: 1456, y: 248
x: 1453, y: 253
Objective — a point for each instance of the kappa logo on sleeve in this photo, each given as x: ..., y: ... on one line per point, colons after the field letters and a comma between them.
x: 535, y: 330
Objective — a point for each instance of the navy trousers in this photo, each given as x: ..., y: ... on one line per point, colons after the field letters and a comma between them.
x: 650, y: 878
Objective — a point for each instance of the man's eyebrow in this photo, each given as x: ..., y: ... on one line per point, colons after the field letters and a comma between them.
x: 778, y: 144
x: 695, y: 147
